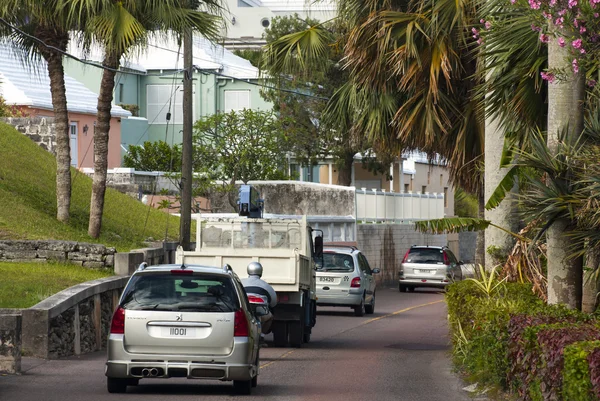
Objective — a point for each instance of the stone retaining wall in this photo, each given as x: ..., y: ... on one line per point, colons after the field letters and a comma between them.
x: 40, y: 130
x: 80, y: 253
x: 10, y: 343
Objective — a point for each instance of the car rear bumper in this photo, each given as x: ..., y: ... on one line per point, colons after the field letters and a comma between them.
x: 124, y: 365
x: 429, y: 282
x: 348, y: 299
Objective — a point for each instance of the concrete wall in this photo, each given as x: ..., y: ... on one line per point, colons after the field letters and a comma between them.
x: 384, y: 245
x: 467, y: 243
x: 73, y: 321
x: 80, y: 253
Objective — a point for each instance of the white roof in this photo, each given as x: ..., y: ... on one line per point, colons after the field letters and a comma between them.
x: 165, y: 54
x: 24, y: 85
x: 299, y: 5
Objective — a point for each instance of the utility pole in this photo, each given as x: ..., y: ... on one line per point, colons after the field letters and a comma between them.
x: 186, y: 162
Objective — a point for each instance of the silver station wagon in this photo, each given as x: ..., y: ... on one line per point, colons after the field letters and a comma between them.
x: 183, y: 321
x: 345, y: 279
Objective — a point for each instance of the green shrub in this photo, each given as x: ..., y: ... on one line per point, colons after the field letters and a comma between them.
x: 576, y: 372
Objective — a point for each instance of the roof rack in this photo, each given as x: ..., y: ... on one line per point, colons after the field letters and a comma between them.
x: 354, y: 248
x: 227, y: 268
x: 142, y: 266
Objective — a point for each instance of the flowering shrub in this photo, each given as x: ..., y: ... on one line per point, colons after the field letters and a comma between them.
x: 576, y: 372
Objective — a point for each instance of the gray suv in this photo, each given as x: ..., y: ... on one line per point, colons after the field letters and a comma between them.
x: 428, y: 266
x: 183, y: 321
x: 345, y: 278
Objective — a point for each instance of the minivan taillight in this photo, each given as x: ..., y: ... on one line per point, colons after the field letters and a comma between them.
x: 355, y: 282
x: 405, y: 256
x: 117, y: 326
x: 240, y: 324
x: 446, y: 262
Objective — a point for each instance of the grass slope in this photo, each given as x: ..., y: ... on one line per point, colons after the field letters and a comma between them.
x: 28, y: 202
x: 21, y: 286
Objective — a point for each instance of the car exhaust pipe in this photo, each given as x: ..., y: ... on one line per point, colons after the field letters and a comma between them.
x: 145, y: 372
x: 153, y: 372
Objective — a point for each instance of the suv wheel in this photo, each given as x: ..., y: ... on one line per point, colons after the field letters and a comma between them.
x: 116, y: 385
x: 360, y: 309
x: 243, y: 387
x: 370, y: 309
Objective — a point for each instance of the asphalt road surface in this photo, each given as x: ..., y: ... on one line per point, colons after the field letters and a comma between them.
x: 399, y: 353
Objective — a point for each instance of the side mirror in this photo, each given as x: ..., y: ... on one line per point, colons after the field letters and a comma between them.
x: 375, y: 271
x: 260, y: 310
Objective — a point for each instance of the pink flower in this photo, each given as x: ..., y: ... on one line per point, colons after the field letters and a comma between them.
x: 576, y: 43
x: 562, y: 12
x: 576, y: 23
x: 591, y: 83
x: 482, y: 21
x: 575, y: 65
x: 560, y: 21
x: 582, y: 29
x: 596, y: 15
x: 582, y: 50
x: 548, y: 76
x: 552, y: 3
x: 535, y: 4
x: 544, y: 38
x: 535, y: 28
x: 561, y: 42
x: 475, y: 31
x: 488, y: 25
x: 479, y: 41
x: 572, y: 3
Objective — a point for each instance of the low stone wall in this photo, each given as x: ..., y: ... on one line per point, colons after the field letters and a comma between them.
x: 83, y: 254
x: 10, y: 343
x: 72, y: 322
x: 40, y: 130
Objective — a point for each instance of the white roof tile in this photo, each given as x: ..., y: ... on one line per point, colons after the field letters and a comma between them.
x: 25, y: 85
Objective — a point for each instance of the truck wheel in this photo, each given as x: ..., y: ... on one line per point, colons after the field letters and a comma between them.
x: 296, y: 331
x: 306, y: 337
x: 242, y: 387
x: 280, y: 334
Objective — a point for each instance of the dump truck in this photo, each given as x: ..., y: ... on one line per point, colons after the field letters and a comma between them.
x: 287, y: 248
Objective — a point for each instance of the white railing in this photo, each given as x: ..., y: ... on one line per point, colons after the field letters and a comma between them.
x: 374, y: 206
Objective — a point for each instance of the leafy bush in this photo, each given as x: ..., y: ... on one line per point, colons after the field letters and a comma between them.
x: 576, y: 371
x: 594, y: 366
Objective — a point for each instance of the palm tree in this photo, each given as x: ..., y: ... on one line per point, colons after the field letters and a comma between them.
x: 120, y: 27
x: 45, y: 20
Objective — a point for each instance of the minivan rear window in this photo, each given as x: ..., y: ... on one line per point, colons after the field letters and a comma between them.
x: 338, y: 262
x: 424, y: 255
x: 193, y: 293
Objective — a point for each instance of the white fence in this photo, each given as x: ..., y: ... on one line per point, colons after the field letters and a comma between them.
x: 380, y: 206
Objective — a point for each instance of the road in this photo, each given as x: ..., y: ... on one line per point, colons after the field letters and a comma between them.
x: 399, y: 353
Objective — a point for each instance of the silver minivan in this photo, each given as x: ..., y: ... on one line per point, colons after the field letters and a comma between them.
x: 428, y: 266
x: 344, y: 278
x: 183, y: 321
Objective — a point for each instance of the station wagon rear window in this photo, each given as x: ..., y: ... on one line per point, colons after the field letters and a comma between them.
x: 193, y: 293
x: 337, y: 262
x: 425, y: 256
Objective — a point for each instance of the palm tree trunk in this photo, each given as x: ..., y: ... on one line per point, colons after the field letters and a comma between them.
x: 111, y: 60
x: 56, y: 74
x: 504, y: 215
x: 480, y: 242
x: 565, y: 112
x: 345, y: 169
x: 591, y: 286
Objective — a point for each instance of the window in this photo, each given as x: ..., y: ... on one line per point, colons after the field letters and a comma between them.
x: 121, y: 90
x: 441, y: 179
x: 428, y: 177
x: 337, y: 262
x: 237, y: 100
x: 406, y: 188
x: 424, y: 189
x: 445, y: 196
x: 158, y: 98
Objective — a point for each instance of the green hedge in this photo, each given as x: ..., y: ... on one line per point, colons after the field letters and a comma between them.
x: 512, y: 340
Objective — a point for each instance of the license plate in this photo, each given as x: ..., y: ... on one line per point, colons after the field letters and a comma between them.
x: 327, y: 279
x: 178, y: 332
x: 424, y: 271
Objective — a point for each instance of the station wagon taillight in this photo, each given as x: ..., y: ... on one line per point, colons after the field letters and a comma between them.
x: 240, y: 324
x: 355, y: 282
x: 405, y: 256
x: 117, y: 326
x: 446, y: 262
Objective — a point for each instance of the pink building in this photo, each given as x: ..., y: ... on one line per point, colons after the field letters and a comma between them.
x: 28, y: 87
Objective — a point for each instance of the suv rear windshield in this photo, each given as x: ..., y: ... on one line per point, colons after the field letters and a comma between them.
x: 193, y: 293
x: 338, y: 262
x: 425, y: 255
